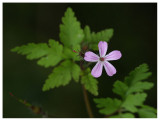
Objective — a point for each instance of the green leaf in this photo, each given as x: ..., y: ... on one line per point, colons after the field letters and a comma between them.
x: 134, y: 100
x: 93, y: 46
x: 49, y: 55
x: 32, y: 50
x: 104, y: 35
x: 62, y: 75
x: 120, y: 88
x: 149, y: 108
x: 140, y: 73
x: 127, y: 115
x: 147, y: 112
x: 71, y: 33
x: 92, y: 39
x: 87, y: 33
x: 75, y: 72
x: 53, y: 56
x: 107, y: 105
x: 89, y: 82
x: 123, y: 115
x: 140, y: 87
x: 131, y: 91
x: 69, y: 54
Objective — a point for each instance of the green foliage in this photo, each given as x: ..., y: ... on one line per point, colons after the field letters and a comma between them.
x: 87, y: 33
x: 73, y: 37
x: 89, y: 82
x: 62, y: 75
x: 138, y: 74
x: 143, y: 113
x: 75, y: 71
x: 53, y: 56
x: 69, y: 54
x: 71, y: 33
x: 133, y: 83
x: 92, y: 39
x: 139, y: 87
x: 134, y: 100
x: 108, y: 105
x: 147, y: 112
x: 48, y: 55
x: 32, y: 50
x: 131, y: 91
x: 103, y: 35
x: 123, y: 115
x: 120, y: 88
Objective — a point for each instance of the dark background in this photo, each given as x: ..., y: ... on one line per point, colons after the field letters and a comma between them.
x: 135, y: 35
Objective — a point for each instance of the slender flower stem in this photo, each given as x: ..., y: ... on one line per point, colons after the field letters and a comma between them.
x: 86, y: 100
x: 88, y: 107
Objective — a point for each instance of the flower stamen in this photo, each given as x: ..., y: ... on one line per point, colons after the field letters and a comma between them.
x: 101, y: 59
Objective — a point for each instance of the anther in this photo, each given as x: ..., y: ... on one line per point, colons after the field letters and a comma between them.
x: 101, y: 59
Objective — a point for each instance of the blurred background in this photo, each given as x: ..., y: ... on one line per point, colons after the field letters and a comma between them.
x: 135, y: 35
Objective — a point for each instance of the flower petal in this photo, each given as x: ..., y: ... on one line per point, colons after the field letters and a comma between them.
x: 114, y: 55
x: 110, y: 69
x: 97, y: 70
x: 103, y: 46
x: 91, y: 57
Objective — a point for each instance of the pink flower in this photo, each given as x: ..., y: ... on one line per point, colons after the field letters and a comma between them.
x: 103, y: 60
